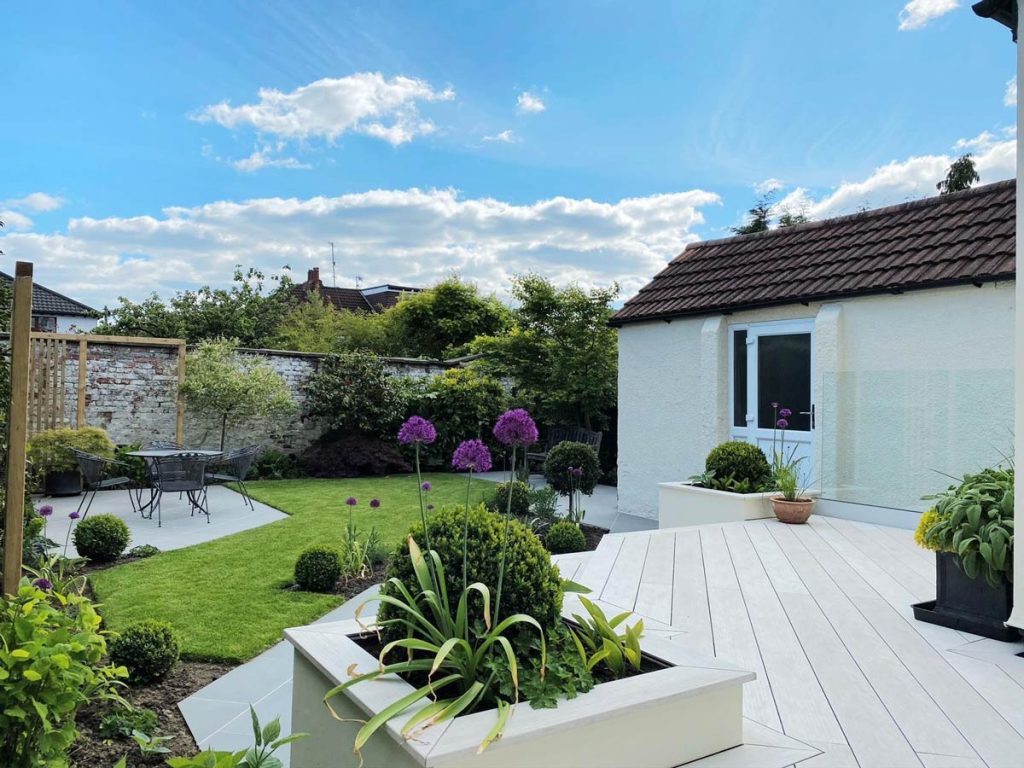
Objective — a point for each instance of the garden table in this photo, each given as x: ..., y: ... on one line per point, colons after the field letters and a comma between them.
x: 176, y: 469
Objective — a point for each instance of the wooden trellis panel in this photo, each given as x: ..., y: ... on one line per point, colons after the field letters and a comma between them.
x: 48, y: 383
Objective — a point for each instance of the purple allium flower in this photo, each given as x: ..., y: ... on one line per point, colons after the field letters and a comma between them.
x: 426, y: 486
x: 44, y: 584
x: 472, y: 455
x: 515, y: 427
x: 417, y: 430
x: 781, y: 423
x: 351, y: 501
x: 775, y: 405
x: 46, y: 510
x: 429, y: 507
x: 576, y: 472
x: 785, y: 413
x: 74, y: 515
x: 374, y: 503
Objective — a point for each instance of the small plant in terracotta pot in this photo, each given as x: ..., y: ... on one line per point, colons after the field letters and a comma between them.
x: 790, y: 505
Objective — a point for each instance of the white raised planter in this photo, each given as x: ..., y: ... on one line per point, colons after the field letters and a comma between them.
x: 690, y: 709
x: 681, y: 504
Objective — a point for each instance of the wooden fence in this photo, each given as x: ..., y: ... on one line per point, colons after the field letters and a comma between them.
x: 51, y: 385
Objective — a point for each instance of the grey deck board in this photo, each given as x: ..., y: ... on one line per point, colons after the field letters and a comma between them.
x: 821, y: 613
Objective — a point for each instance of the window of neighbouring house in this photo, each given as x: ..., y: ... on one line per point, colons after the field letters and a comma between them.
x: 739, y: 378
x: 44, y: 323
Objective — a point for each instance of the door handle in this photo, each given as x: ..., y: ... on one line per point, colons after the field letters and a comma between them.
x: 809, y: 413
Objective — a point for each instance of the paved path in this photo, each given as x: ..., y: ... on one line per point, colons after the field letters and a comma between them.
x: 228, y: 514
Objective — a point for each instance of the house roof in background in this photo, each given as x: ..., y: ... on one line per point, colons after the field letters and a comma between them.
x: 964, y: 237
x: 48, y: 302
x: 376, y: 298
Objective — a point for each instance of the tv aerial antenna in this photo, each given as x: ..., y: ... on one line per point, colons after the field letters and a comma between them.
x: 334, y: 268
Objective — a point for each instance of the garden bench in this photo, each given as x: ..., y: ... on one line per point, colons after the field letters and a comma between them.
x: 558, y: 435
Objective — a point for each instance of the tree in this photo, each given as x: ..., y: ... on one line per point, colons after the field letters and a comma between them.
x: 758, y: 217
x: 376, y: 332
x: 234, y: 387
x: 311, y: 326
x: 245, y: 312
x: 355, y: 392
x: 439, y: 321
x: 790, y: 218
x: 560, y: 353
x: 960, y: 176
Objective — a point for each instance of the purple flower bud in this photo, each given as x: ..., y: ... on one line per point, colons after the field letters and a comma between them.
x: 429, y: 507
x: 44, y: 584
x: 781, y: 423
x: 576, y: 472
x: 785, y: 413
x: 426, y: 486
x: 74, y: 515
x: 515, y: 427
x: 351, y: 501
x: 417, y: 430
x: 374, y: 503
x: 46, y: 510
x: 472, y: 455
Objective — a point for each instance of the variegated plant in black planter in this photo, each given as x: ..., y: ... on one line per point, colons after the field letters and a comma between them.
x: 970, y: 529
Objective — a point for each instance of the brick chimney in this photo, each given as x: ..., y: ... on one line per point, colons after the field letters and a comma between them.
x: 313, y: 278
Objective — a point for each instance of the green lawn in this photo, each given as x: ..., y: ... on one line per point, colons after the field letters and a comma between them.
x: 224, y: 597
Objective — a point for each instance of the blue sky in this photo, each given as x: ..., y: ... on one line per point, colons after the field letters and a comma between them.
x: 152, y: 147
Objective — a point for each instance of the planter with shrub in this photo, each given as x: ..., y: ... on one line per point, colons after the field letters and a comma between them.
x: 101, y: 538
x: 56, y: 465
x: 474, y: 603
x: 970, y: 529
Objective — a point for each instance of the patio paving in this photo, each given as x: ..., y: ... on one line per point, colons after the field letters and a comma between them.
x: 228, y: 514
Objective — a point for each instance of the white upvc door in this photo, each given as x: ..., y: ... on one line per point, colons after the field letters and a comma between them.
x: 772, y: 368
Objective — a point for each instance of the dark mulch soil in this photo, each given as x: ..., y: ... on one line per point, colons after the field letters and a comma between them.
x: 594, y: 534
x: 352, y: 587
x: 92, y: 751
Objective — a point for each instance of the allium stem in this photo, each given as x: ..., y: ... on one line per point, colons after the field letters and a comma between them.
x: 465, y: 539
x: 504, y: 543
x: 426, y: 532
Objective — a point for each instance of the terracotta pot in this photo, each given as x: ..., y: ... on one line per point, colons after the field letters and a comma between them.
x: 793, y: 512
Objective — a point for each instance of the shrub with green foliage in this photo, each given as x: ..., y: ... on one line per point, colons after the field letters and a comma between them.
x: 463, y: 403
x: 569, y: 454
x: 274, y: 465
x: 147, y: 649
x: 532, y: 584
x: 564, y: 537
x: 102, y: 538
x: 318, y: 569
x: 144, y: 550
x: 738, y: 466
x: 355, y: 392
x: 48, y: 450
x: 498, y: 501
x: 52, y: 654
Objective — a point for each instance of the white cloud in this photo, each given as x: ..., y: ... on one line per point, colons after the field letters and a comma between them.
x: 14, y: 221
x: 768, y: 185
x: 1010, y: 95
x: 917, y: 13
x: 261, y: 158
x: 914, y: 177
x: 365, y: 102
x: 530, y: 102
x: 37, y: 201
x: 507, y: 136
x: 409, y: 236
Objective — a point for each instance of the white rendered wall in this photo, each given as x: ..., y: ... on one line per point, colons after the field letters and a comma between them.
x: 68, y: 324
x: 902, y: 384
x: 1017, y: 617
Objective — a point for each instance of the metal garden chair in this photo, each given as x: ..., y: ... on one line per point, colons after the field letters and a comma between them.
x: 159, y: 445
x: 182, y: 473
x: 233, y: 468
x: 97, y: 475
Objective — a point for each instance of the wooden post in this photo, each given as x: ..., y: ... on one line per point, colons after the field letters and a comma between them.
x: 17, y: 425
x: 83, y: 363
x: 179, y: 431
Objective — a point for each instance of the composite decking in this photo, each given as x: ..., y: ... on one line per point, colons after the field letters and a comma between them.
x: 821, y: 612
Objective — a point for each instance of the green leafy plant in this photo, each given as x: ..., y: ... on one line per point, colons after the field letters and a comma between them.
x: 599, y: 642
x: 143, y: 550
x: 520, y: 501
x: 135, y: 467
x: 147, y: 649
x: 563, y: 537
x: 61, y: 573
x: 52, y: 661
x: 122, y: 721
x: 268, y: 740
x: 101, y: 538
x: 573, y: 470
x: 274, y: 465
x: 355, y: 392
x: 464, y: 403
x: 232, y: 387
x: 737, y: 466
x: 975, y: 521
x: 48, y: 450
x: 150, y: 745
x: 318, y: 569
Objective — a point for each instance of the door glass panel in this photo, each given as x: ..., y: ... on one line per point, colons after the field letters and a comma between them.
x: 739, y: 378
x: 784, y: 377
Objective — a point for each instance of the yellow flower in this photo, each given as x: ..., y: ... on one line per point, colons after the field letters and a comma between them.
x: 928, y: 519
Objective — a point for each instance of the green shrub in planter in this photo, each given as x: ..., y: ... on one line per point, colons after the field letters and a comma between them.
x: 48, y: 450
x: 498, y: 501
x: 737, y: 466
x: 148, y: 649
x: 52, y: 654
x: 569, y: 454
x: 102, y: 538
x: 318, y: 569
x: 564, y: 537
x: 532, y: 584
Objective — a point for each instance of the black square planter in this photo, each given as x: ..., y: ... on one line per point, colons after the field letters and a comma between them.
x: 969, y: 605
